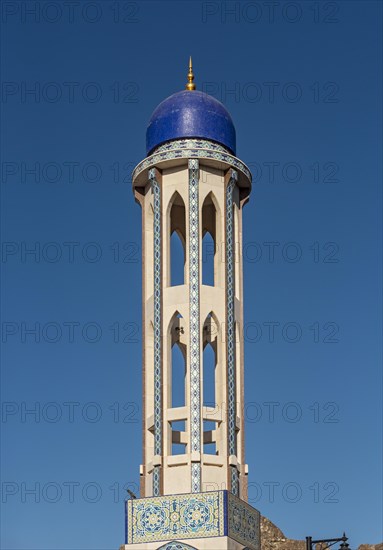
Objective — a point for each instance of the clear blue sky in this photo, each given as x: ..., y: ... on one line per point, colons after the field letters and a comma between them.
x: 303, y: 87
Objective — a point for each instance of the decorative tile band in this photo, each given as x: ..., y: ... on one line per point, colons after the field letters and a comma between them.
x: 192, y: 516
x: 244, y: 523
x: 191, y: 144
x: 156, y: 481
x: 185, y: 149
x: 234, y: 480
x: 173, y: 517
x: 195, y: 477
x: 157, y: 328
x: 176, y: 546
x: 195, y: 370
x: 230, y: 293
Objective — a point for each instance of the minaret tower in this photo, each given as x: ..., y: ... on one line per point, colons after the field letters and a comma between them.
x: 193, y: 476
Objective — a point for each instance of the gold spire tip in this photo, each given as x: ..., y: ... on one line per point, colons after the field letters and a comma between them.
x: 190, y: 84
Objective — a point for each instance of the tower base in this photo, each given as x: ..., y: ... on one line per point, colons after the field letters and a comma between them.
x: 216, y: 543
x: 215, y: 520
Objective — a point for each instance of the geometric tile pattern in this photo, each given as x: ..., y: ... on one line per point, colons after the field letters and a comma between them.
x: 190, y: 144
x: 192, y: 516
x: 234, y: 478
x: 190, y: 149
x: 156, y: 481
x: 244, y: 523
x: 172, y: 517
x: 157, y: 328
x: 176, y: 546
x: 230, y: 293
x: 195, y: 370
x: 195, y: 477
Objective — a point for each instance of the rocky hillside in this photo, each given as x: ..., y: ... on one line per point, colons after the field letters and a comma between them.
x: 274, y: 539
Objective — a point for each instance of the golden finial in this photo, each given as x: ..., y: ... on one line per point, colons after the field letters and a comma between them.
x: 190, y: 85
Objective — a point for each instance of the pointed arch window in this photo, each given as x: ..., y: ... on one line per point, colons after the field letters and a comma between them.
x: 209, y: 242
x: 178, y: 376
x: 177, y: 384
x: 177, y: 241
x: 209, y: 365
x: 236, y: 245
x: 177, y: 373
x: 209, y: 381
x: 210, y: 337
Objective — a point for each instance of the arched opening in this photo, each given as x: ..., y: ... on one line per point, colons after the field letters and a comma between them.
x: 209, y: 366
x: 236, y: 248
x: 209, y: 242
x: 209, y: 361
x: 178, y: 371
x: 149, y: 345
x: 177, y: 241
x: 176, y: 385
x: 236, y: 379
x: 208, y: 252
x: 209, y: 382
x: 178, y: 437
x: 209, y: 440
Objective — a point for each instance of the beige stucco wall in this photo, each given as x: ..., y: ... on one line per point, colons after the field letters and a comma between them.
x: 176, y: 469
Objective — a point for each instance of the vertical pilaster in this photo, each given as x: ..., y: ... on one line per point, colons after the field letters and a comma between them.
x: 157, y: 332
x: 167, y: 468
x: 194, y: 347
x: 230, y: 336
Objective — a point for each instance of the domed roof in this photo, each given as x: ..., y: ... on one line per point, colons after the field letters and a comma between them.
x: 190, y: 114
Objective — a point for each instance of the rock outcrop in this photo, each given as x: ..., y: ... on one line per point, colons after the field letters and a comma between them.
x: 273, y: 539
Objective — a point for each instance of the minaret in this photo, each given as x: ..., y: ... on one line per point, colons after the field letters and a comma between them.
x: 193, y: 476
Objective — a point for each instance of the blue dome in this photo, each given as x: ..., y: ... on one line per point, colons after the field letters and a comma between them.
x: 190, y: 114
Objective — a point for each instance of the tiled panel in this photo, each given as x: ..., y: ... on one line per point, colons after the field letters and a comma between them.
x: 176, y: 517
x: 157, y: 328
x: 195, y: 367
x: 243, y: 523
x: 230, y: 292
x: 191, y: 150
x: 192, y: 516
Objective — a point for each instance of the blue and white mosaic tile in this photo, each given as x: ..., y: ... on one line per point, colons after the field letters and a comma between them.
x: 176, y: 546
x: 230, y: 294
x: 189, y: 149
x: 157, y: 328
x: 244, y: 523
x: 168, y: 519
x: 176, y: 517
x: 195, y: 367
